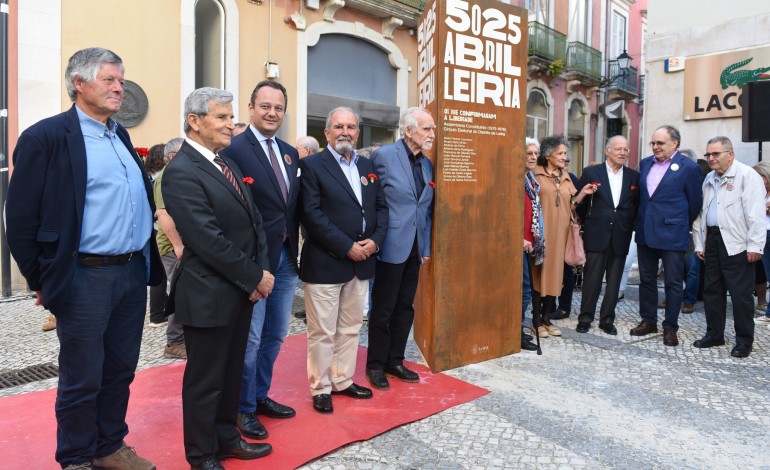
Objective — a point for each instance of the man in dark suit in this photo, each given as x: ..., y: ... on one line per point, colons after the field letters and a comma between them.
x: 406, y: 176
x: 345, y: 215
x: 224, y: 270
x: 79, y: 223
x: 608, y: 221
x: 272, y: 165
x: 670, y: 200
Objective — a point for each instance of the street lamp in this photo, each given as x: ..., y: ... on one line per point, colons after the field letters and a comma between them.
x: 624, y: 64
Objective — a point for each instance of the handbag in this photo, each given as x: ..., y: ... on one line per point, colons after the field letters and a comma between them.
x: 574, y: 254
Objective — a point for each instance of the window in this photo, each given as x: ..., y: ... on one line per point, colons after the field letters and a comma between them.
x: 538, y: 10
x: 618, y: 35
x: 209, y: 44
x: 578, y: 21
x: 537, y: 115
x: 576, y: 120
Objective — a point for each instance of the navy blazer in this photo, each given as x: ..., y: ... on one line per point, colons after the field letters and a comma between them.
x: 331, y: 214
x: 45, y: 203
x: 665, y: 218
x: 278, y: 217
x: 224, y: 244
x: 603, y: 223
x: 407, y: 215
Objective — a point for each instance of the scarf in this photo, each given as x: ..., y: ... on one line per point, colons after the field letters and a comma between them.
x: 538, y: 230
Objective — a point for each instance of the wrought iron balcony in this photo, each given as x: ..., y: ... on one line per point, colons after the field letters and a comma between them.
x: 585, y: 59
x: 546, y: 43
x: 627, y: 81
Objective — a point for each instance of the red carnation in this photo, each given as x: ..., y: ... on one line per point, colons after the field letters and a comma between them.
x: 372, y: 177
x: 432, y: 184
x: 596, y: 183
x: 248, y: 179
x: 633, y: 188
x: 142, y: 151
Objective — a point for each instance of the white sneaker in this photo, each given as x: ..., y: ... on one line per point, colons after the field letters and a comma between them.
x: 763, y: 320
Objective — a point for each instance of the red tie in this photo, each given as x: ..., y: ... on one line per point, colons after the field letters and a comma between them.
x: 228, y: 174
x: 277, y: 170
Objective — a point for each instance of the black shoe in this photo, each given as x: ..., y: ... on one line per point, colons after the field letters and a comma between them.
x: 741, y: 350
x: 609, y: 328
x: 249, y: 426
x: 525, y: 336
x: 209, y: 463
x: 559, y: 314
x: 401, y: 372
x: 323, y: 403
x: 583, y: 327
x: 272, y: 409
x: 300, y: 315
x: 377, y: 379
x: 354, y: 391
x: 527, y: 345
x: 707, y: 342
x: 245, y: 451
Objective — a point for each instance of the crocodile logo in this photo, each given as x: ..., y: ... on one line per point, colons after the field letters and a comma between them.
x: 741, y: 77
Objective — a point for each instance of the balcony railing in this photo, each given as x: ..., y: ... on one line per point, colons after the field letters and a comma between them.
x: 584, y: 58
x: 628, y: 82
x: 546, y: 43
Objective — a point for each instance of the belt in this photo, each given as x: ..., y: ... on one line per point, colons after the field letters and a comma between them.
x: 105, y: 260
x: 714, y: 230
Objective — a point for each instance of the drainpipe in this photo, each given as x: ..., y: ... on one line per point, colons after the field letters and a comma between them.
x: 5, y: 254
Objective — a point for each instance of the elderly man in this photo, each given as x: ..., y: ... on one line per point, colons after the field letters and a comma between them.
x: 307, y: 146
x: 608, y: 222
x: 79, y: 223
x: 344, y: 212
x: 223, y: 272
x: 669, y: 202
x: 272, y: 164
x: 170, y: 247
x: 729, y: 235
x: 406, y: 176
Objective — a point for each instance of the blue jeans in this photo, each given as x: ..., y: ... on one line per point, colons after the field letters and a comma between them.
x: 526, y: 289
x: 766, y: 263
x: 100, y: 332
x: 673, y: 272
x: 691, y: 278
x: 269, y: 324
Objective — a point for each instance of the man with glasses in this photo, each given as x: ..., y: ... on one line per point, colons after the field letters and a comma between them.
x: 729, y: 235
x: 269, y: 168
x: 670, y: 200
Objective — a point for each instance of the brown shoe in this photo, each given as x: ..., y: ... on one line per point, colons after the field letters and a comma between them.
x: 175, y: 351
x: 688, y: 308
x: 124, y: 458
x: 644, y: 328
x: 50, y: 323
x: 669, y: 338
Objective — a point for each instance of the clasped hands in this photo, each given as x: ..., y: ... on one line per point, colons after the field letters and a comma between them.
x: 264, y: 288
x: 362, y: 249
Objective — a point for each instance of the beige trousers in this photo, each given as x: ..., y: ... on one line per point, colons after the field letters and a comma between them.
x: 334, y: 317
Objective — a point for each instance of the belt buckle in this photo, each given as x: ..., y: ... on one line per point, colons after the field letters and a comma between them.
x: 130, y: 255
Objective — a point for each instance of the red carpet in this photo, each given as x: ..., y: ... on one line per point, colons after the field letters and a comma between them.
x: 28, y: 426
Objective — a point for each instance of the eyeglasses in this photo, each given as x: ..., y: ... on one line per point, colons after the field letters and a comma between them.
x: 659, y: 143
x: 715, y: 154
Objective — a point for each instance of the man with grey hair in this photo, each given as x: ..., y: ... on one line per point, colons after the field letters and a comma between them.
x: 343, y: 210
x: 170, y: 247
x: 406, y: 176
x: 307, y: 146
x: 79, y: 223
x: 224, y: 270
x: 729, y: 236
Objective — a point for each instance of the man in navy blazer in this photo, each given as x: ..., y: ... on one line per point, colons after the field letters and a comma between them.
x: 608, y: 222
x: 344, y: 212
x: 406, y: 176
x: 270, y: 165
x: 670, y: 200
x: 79, y: 224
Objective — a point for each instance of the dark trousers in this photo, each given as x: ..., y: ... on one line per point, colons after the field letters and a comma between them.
x: 565, y: 299
x: 158, y: 297
x: 733, y: 274
x: 395, y: 286
x: 673, y: 271
x: 100, y: 332
x: 211, y: 386
x: 597, y: 264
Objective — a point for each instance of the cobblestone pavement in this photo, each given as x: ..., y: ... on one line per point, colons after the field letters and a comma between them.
x: 591, y: 401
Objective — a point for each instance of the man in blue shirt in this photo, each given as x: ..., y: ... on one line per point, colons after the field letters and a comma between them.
x: 79, y: 224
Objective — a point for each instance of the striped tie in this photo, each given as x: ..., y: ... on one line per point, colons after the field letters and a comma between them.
x: 228, y: 174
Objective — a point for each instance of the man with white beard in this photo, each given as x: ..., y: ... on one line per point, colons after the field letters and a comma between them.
x: 343, y: 210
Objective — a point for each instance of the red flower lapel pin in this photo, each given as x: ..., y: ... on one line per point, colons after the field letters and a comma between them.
x: 372, y: 177
x: 142, y: 151
x: 248, y: 179
x: 633, y: 188
x: 432, y: 184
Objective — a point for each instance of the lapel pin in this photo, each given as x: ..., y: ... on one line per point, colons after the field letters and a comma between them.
x: 674, y: 167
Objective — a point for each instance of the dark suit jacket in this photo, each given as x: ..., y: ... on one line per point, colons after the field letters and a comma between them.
x: 331, y: 214
x: 45, y: 203
x: 603, y: 223
x: 224, y: 243
x: 665, y: 219
x: 278, y: 217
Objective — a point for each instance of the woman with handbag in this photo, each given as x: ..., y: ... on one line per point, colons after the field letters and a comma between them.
x: 558, y: 198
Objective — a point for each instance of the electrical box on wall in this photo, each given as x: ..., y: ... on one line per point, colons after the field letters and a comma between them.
x: 271, y: 70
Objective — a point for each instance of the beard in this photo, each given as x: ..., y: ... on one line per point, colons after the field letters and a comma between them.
x: 343, y: 147
x: 427, y: 146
